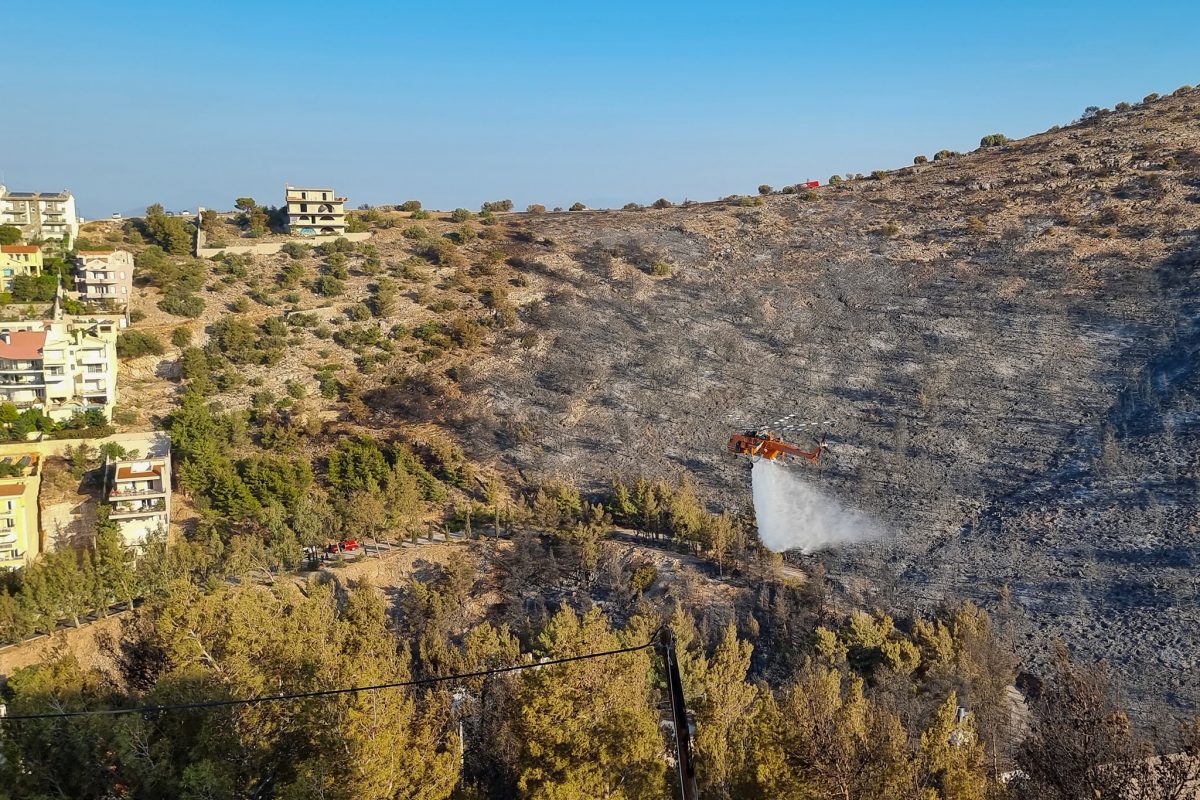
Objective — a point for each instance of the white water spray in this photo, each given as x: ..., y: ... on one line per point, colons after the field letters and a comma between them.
x: 795, y: 516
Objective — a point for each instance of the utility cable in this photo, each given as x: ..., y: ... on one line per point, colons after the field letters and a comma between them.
x: 320, y: 692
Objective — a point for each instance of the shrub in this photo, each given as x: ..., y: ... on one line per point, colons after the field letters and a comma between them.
x: 993, y: 140
x: 1150, y: 98
x: 976, y: 226
x: 578, y: 207
x: 765, y: 188
x: 358, y: 312
x: 182, y: 304
x: 662, y: 202
x: 661, y: 269
x: 878, y: 174
x: 181, y: 337
x: 1182, y: 90
x: 416, y: 232
x: 419, y: 214
x: 9, y: 234
x: 241, y: 305
x: 410, y: 205
x: 125, y: 416
x: 137, y: 316
x: 1122, y: 106
x: 535, y: 208
x: 632, y: 207
x: 329, y: 286
x: 890, y: 229
x: 746, y: 200
x: 920, y: 160
x: 461, y: 215
x: 942, y: 155
x: 497, y: 205
x: 296, y: 250
x: 132, y: 344
x: 835, y: 179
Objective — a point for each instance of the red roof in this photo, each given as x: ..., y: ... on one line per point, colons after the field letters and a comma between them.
x: 23, y: 345
x: 12, y: 489
x: 19, y: 248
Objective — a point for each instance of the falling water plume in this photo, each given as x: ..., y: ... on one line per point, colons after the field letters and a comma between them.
x: 792, y: 515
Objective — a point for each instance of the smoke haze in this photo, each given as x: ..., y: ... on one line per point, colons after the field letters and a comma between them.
x: 795, y: 516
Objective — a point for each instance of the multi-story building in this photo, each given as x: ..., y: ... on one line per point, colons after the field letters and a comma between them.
x: 41, y: 216
x: 20, y: 539
x: 18, y: 259
x: 138, y: 491
x: 63, y: 368
x: 104, y: 275
x: 315, y: 212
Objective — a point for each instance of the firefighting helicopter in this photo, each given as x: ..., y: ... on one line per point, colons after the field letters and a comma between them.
x: 763, y: 442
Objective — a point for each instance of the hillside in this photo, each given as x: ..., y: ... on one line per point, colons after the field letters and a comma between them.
x: 1006, y: 341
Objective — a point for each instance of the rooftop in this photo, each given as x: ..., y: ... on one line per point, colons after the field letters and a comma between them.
x: 128, y: 473
x: 22, y: 345
x: 63, y: 195
x: 19, y: 248
x: 12, y: 489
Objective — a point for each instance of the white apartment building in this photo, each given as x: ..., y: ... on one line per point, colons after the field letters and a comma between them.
x: 41, y: 216
x: 104, y: 275
x: 138, y: 490
x: 63, y: 368
x: 315, y: 212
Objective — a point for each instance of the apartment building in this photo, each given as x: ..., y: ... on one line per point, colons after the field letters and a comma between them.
x: 20, y: 538
x: 41, y: 216
x: 63, y: 368
x: 315, y: 212
x: 18, y: 259
x: 104, y: 275
x: 138, y: 490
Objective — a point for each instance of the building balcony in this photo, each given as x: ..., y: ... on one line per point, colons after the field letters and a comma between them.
x: 118, y: 492
x: 137, y: 508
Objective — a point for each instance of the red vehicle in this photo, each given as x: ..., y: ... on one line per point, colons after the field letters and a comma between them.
x: 344, y: 546
x: 812, y: 184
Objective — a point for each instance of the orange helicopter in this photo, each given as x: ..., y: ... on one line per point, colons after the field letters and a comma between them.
x: 762, y: 443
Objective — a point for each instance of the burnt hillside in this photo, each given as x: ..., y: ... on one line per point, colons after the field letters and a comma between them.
x: 1007, y: 341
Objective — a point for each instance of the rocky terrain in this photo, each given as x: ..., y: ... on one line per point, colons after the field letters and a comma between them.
x: 1006, y: 341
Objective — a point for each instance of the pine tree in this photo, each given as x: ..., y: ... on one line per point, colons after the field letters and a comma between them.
x: 588, y: 730
x: 116, y: 578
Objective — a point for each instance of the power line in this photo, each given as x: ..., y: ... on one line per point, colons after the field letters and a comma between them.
x: 321, y: 692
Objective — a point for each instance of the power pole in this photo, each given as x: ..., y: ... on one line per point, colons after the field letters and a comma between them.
x: 683, y: 738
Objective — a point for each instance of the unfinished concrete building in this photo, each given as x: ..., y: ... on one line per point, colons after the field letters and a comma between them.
x: 315, y: 212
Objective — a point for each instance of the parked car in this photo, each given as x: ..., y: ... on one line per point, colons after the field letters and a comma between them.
x: 344, y: 546
x: 350, y: 544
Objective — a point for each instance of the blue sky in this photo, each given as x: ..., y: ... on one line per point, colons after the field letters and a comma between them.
x: 455, y: 103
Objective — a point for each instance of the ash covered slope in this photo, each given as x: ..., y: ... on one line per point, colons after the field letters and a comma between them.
x: 1007, y: 341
